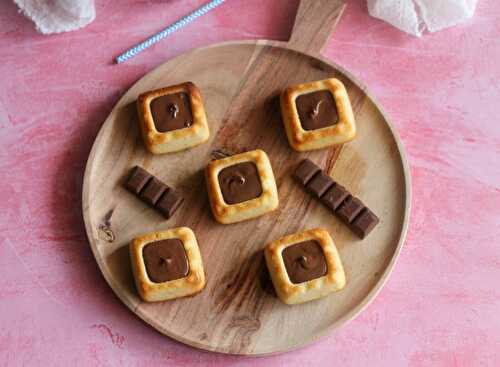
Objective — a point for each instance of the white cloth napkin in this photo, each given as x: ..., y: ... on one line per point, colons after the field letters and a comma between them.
x: 53, y: 16
x: 416, y: 16
x: 411, y: 16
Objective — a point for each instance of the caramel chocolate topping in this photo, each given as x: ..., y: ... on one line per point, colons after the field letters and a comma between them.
x: 165, y: 260
x: 172, y: 112
x: 240, y: 182
x: 317, y: 110
x: 304, y: 261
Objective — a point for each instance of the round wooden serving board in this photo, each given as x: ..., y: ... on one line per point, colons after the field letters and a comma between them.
x: 238, y: 311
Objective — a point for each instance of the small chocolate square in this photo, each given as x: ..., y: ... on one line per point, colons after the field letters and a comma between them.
x: 137, y: 180
x: 320, y: 184
x: 335, y: 196
x: 169, y: 203
x: 153, y: 191
x: 364, y: 223
x: 306, y: 171
x: 349, y: 209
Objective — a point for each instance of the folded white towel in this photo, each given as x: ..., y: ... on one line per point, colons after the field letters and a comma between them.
x: 416, y: 16
x: 53, y: 16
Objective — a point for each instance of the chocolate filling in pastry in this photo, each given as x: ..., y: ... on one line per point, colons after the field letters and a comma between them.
x: 240, y: 182
x: 304, y: 261
x: 172, y: 112
x: 317, y: 110
x: 165, y: 260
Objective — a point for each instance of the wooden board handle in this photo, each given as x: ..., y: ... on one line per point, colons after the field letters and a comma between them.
x: 314, y: 24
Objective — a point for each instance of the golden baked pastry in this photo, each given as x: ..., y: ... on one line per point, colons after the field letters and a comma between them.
x: 304, y: 266
x: 167, y: 264
x: 172, y: 118
x: 241, y: 187
x: 317, y: 115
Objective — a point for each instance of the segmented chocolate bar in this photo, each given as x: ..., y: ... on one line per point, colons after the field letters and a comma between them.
x: 153, y: 192
x: 348, y: 208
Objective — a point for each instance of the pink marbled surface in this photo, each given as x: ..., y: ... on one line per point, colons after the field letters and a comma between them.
x: 441, y: 307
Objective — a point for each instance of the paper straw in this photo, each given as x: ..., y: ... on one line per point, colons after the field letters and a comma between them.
x: 170, y: 29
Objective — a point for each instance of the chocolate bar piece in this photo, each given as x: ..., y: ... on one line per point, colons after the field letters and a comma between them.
x: 364, y: 223
x: 153, y: 191
x: 138, y: 179
x: 319, y: 184
x: 335, y: 196
x: 349, y: 209
x: 169, y: 203
x: 306, y: 171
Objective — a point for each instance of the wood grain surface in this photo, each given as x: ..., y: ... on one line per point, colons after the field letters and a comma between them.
x: 238, y: 311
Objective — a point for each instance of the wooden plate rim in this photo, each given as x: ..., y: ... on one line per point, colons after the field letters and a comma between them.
x: 327, y: 330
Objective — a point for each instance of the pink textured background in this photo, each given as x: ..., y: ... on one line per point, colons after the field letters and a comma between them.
x: 441, y: 307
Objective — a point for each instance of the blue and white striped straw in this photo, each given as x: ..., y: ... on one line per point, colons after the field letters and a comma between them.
x: 170, y: 29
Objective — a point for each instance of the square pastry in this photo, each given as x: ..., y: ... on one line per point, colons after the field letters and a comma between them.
x: 172, y: 118
x: 317, y: 115
x: 304, y: 266
x: 167, y: 264
x: 241, y: 186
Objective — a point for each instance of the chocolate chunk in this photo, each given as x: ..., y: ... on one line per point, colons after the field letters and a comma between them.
x: 305, y: 171
x: 364, y: 223
x: 349, y: 209
x: 165, y: 260
x: 240, y: 182
x: 153, y: 191
x: 169, y: 203
x: 137, y: 180
x: 319, y: 184
x: 172, y: 112
x: 317, y: 110
x: 335, y: 196
x: 304, y: 261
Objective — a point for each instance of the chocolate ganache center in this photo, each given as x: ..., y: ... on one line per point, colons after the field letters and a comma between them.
x: 240, y: 182
x: 317, y: 110
x: 304, y: 261
x: 165, y: 260
x: 172, y: 112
